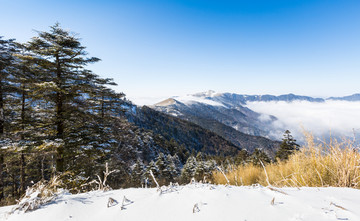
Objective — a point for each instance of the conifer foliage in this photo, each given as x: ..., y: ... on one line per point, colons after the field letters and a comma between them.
x: 56, y: 116
x: 287, y: 147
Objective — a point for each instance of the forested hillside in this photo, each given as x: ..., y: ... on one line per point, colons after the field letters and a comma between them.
x: 184, y: 132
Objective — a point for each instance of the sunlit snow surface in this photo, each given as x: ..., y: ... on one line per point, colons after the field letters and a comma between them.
x: 190, y: 99
x: 213, y: 203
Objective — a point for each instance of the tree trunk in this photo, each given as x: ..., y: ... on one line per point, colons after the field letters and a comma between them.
x: 59, y: 118
x: 14, y: 186
x: 1, y: 176
x: 2, y: 118
x: 22, y: 157
x: 22, y: 173
x: 1, y: 134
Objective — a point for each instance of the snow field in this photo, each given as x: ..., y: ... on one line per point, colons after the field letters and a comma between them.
x: 213, y: 203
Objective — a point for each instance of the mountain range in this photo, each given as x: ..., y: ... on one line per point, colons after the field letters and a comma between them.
x: 226, y: 114
x: 217, y: 123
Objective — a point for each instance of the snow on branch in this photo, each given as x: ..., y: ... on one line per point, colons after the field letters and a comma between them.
x: 39, y: 194
x: 102, y: 183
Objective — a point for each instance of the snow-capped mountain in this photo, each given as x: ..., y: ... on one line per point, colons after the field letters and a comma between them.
x: 213, y: 110
x: 209, y: 109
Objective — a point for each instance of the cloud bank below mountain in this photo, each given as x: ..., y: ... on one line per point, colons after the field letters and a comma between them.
x: 339, y: 118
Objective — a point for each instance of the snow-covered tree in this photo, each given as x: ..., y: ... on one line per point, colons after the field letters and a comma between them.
x: 138, y: 173
x: 189, y: 169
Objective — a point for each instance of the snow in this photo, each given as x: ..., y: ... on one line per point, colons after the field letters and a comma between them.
x: 201, y: 202
x: 209, y: 93
x: 191, y: 99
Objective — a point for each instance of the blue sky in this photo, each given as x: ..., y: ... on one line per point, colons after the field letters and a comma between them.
x: 158, y: 48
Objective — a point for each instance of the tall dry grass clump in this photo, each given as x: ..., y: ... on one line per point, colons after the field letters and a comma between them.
x: 316, y: 164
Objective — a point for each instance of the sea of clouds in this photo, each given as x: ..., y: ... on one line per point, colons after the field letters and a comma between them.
x: 338, y: 119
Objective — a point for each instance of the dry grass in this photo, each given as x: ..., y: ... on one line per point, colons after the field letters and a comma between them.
x: 324, y: 164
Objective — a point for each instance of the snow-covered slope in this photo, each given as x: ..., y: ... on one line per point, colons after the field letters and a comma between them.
x: 211, y: 106
x: 202, y: 202
x: 264, y: 115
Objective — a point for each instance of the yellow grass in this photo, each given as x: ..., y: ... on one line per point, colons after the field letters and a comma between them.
x: 325, y: 164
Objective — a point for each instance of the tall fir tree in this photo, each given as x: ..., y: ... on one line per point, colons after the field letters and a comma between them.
x: 63, y: 60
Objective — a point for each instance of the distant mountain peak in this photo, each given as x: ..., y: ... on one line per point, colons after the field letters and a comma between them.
x: 354, y: 97
x: 209, y: 93
x: 167, y: 102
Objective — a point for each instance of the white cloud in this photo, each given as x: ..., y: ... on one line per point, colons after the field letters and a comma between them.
x: 338, y: 118
x: 145, y: 100
x: 190, y: 99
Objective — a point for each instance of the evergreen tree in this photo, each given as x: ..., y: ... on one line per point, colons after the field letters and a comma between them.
x: 137, y: 174
x: 200, y: 170
x: 172, y: 171
x: 241, y: 158
x: 259, y: 156
x: 161, y: 163
x: 62, y: 58
x: 288, y: 146
x: 210, y: 166
x: 189, y: 169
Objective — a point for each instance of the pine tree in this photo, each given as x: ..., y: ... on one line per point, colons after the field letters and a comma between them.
x: 241, y: 158
x: 137, y: 174
x: 162, y: 165
x: 258, y: 157
x: 171, y: 170
x: 189, y: 169
x: 62, y: 58
x: 210, y: 166
x: 288, y: 146
x: 200, y: 170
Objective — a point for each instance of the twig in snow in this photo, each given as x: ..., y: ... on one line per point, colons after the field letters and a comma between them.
x: 196, y: 208
x: 126, y: 202
x: 102, y: 183
x: 273, y: 201
x: 39, y: 194
x: 276, y: 190
x: 111, y: 202
x: 340, y: 207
